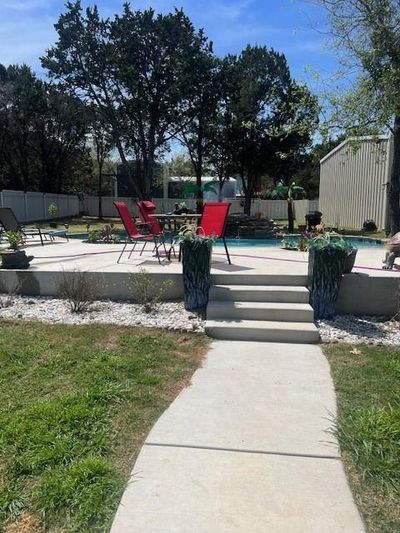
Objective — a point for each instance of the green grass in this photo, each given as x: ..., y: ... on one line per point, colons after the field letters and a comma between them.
x: 76, y: 403
x: 368, y: 429
x: 79, y: 224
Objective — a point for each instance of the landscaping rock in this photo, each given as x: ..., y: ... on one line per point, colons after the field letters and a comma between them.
x: 356, y: 330
x: 169, y: 315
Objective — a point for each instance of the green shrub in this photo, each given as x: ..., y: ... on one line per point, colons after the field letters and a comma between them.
x: 147, y: 291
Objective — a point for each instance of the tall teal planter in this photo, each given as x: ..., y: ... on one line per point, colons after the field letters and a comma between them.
x: 196, y: 264
x: 325, y: 269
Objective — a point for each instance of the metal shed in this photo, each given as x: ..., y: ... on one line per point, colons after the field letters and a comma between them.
x: 353, y: 182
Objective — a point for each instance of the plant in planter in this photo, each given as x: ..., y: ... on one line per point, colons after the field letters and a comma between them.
x: 289, y: 243
x: 196, y: 265
x: 53, y: 213
x: 326, y: 264
x: 14, y: 258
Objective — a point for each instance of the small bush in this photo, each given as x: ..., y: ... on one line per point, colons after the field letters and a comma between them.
x: 147, y: 291
x: 77, y: 290
x: 109, y: 234
x: 370, y: 225
x: 7, y: 294
x: 93, y: 236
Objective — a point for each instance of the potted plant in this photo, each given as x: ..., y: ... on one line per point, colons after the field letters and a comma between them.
x: 327, y: 258
x: 350, y: 259
x: 53, y: 212
x: 196, y: 265
x: 13, y: 257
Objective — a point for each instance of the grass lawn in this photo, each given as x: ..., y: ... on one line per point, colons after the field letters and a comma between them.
x: 368, y: 391
x: 79, y: 224
x: 76, y: 403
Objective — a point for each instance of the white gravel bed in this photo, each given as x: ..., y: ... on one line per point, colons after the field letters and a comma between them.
x: 356, y: 330
x: 167, y: 315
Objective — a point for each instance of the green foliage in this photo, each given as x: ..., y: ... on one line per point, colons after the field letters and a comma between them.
x: 15, y: 239
x: 264, y: 118
x: 75, y: 405
x: 192, y: 233
x: 42, y: 133
x: 108, y: 234
x: 287, y: 192
x: 147, y: 291
x: 368, y: 428
x: 52, y: 209
x: 137, y: 69
x: 368, y: 34
x: 93, y: 236
x: 332, y: 241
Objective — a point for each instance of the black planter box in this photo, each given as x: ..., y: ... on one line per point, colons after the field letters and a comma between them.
x: 196, y: 266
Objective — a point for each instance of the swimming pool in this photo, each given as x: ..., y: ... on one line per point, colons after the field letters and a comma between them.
x: 358, y: 242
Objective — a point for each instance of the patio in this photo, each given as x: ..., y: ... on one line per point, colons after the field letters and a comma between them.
x: 368, y: 290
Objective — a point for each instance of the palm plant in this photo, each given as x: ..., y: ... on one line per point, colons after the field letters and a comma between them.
x: 290, y: 193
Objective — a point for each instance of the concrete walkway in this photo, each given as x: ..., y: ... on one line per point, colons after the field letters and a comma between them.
x: 244, y: 450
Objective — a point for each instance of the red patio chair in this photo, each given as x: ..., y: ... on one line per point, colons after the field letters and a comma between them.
x: 133, y: 235
x: 213, y: 222
x: 146, y: 208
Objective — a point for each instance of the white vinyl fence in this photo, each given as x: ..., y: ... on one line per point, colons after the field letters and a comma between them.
x: 275, y: 209
x: 33, y: 206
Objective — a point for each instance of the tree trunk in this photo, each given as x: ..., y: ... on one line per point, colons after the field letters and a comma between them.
x: 100, y: 191
x: 247, y: 194
x: 199, y: 193
x: 247, y: 203
x: 127, y: 168
x: 148, y: 171
x: 290, y: 216
x: 199, y: 169
x: 394, y: 183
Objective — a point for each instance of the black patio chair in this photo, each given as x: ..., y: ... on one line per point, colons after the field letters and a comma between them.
x: 9, y: 222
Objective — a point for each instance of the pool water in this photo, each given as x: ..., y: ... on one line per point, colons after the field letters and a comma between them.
x: 269, y: 243
x: 277, y: 243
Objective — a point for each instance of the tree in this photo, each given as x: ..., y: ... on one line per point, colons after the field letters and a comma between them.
x: 42, y: 133
x: 268, y: 114
x: 180, y: 165
x: 368, y: 32
x: 196, y: 134
x: 136, y: 69
x: 290, y: 193
x: 306, y: 171
x: 103, y: 144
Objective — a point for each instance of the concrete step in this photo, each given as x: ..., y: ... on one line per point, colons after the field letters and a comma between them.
x: 261, y: 293
x: 239, y: 278
x: 258, y: 330
x: 286, y: 312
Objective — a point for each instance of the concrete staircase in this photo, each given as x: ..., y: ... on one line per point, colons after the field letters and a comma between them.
x: 258, y: 307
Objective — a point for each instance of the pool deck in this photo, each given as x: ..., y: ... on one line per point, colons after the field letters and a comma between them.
x: 76, y: 254
x: 368, y: 290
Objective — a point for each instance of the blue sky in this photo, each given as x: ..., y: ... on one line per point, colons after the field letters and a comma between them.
x: 294, y: 27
